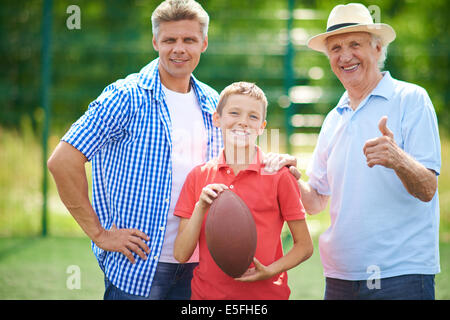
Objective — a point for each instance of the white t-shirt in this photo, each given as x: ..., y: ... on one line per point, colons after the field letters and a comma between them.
x: 189, y: 141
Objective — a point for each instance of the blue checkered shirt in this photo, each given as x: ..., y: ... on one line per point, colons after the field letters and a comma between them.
x: 126, y: 133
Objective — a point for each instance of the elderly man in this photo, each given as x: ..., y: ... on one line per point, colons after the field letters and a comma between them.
x: 377, y: 158
x: 143, y: 134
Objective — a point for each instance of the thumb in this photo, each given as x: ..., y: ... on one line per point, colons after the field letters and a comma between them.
x: 382, y: 125
x: 294, y: 171
x: 258, y: 264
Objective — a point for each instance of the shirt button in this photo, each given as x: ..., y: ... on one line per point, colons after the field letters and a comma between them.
x: 231, y: 186
x: 228, y: 171
x: 161, y: 228
x: 155, y: 257
x: 167, y: 200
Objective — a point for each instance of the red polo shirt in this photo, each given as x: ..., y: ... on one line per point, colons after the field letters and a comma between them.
x: 272, y: 199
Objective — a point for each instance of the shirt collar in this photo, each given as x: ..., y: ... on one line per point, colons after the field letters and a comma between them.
x: 384, y: 88
x: 254, y: 166
x: 149, y: 79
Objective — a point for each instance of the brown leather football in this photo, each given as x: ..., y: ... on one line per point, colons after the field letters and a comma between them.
x: 231, y: 233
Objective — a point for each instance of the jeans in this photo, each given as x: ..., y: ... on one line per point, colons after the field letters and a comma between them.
x: 172, y: 281
x: 404, y: 287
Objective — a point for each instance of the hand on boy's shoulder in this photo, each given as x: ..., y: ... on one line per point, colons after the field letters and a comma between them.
x: 274, y: 162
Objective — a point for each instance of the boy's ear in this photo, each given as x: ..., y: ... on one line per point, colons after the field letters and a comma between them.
x: 261, y: 129
x: 216, y: 119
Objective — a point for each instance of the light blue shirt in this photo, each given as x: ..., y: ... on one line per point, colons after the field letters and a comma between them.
x: 376, y: 225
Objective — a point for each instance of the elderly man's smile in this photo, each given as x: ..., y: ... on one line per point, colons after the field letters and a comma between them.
x: 351, y: 68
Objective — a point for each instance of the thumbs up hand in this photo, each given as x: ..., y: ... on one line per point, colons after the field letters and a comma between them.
x: 382, y: 150
x: 382, y: 125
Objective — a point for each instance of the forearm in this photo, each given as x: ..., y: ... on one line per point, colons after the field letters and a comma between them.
x: 296, y: 255
x: 188, y: 234
x: 313, y: 201
x: 301, y: 250
x: 419, y: 181
x: 69, y: 174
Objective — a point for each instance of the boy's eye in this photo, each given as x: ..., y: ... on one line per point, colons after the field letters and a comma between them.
x: 254, y: 117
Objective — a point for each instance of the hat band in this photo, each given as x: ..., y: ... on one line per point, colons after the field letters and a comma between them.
x: 340, y: 25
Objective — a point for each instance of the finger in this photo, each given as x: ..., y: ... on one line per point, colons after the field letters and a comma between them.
x: 249, y: 275
x: 295, y: 172
x: 206, y: 199
x: 249, y: 278
x: 377, y: 161
x: 267, y: 157
x: 368, y: 151
x: 134, y: 248
x: 258, y: 265
x: 371, y: 143
x: 140, y: 243
x: 272, y: 165
x: 207, y: 191
x: 127, y: 253
x: 288, y: 160
x: 218, y: 187
x: 140, y: 234
x: 382, y: 126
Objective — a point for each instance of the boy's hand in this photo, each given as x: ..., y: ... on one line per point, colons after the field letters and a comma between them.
x: 209, y: 193
x: 259, y: 272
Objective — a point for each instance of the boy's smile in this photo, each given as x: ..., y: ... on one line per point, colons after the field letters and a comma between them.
x: 241, y: 121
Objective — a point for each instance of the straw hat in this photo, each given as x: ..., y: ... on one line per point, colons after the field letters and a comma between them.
x: 353, y: 17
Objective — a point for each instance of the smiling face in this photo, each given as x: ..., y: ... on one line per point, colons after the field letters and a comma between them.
x: 179, y: 44
x: 241, y: 120
x: 353, y: 59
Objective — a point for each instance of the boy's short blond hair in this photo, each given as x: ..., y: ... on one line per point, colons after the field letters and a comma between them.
x: 176, y: 10
x: 244, y: 88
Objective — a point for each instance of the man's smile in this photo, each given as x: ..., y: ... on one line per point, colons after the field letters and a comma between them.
x: 350, y: 68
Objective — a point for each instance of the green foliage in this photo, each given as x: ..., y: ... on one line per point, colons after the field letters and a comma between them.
x: 247, y: 41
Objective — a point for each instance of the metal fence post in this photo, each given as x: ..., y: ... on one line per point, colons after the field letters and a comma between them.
x: 45, y: 96
x: 289, y: 74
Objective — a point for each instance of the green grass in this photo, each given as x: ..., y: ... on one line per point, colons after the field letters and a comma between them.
x: 37, y: 268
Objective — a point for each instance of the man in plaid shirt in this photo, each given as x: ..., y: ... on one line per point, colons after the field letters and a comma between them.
x: 143, y: 135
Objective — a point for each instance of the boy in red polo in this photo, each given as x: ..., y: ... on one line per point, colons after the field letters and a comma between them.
x: 272, y: 199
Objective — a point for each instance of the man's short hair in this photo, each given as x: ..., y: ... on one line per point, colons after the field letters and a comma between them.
x: 176, y: 10
x: 243, y: 88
